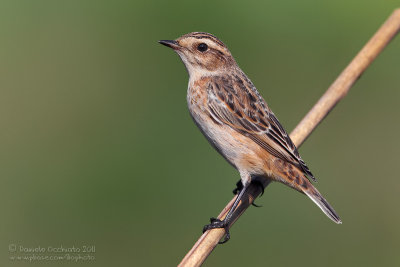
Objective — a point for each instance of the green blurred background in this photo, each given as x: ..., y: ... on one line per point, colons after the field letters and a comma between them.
x: 97, y: 146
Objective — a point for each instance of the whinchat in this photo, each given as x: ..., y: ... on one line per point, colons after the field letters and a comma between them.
x: 238, y: 123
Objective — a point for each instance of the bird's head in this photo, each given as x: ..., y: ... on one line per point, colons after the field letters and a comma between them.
x: 202, y: 53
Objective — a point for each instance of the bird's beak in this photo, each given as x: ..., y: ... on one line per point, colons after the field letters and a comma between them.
x: 170, y: 43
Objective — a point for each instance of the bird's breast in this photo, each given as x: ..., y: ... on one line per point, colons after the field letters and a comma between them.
x: 237, y: 149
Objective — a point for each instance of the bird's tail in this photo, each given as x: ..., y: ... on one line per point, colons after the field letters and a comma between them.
x: 296, y: 179
x: 321, y: 202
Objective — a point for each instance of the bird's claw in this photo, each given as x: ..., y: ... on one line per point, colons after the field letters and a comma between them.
x: 239, y: 186
x: 217, y: 223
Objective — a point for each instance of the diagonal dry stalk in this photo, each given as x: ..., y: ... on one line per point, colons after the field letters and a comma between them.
x: 207, y: 242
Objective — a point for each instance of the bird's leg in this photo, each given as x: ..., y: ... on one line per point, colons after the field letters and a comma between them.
x: 217, y: 223
x: 239, y: 187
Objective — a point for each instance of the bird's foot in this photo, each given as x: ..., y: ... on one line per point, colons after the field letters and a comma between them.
x: 239, y: 187
x: 217, y: 223
x: 261, y: 185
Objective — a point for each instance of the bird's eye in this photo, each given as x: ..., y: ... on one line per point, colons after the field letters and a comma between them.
x: 202, y: 47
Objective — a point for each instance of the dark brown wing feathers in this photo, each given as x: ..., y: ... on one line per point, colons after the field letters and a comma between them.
x: 245, y: 111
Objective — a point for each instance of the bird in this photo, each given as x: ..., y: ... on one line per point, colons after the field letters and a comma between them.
x: 238, y: 123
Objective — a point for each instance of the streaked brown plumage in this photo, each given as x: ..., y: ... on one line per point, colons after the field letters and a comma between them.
x: 236, y: 120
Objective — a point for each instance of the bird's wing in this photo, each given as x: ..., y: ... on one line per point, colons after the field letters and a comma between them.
x: 239, y: 105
